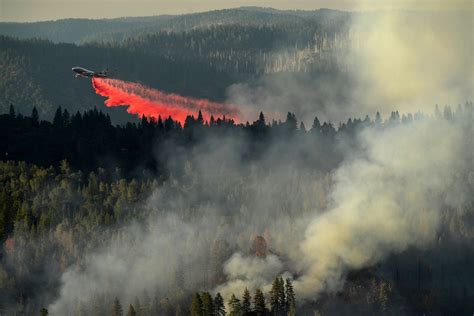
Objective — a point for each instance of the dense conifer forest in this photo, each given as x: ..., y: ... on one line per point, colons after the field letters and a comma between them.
x: 75, y: 184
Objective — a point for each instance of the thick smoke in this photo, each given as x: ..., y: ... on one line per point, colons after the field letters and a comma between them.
x: 383, y: 202
x: 385, y: 197
x: 200, y: 226
x: 412, y: 60
x: 386, y: 60
x: 144, y: 101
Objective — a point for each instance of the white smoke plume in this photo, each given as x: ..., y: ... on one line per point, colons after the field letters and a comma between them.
x: 385, y: 197
x: 404, y: 60
x: 383, y: 202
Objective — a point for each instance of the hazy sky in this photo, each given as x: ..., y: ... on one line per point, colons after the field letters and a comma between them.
x: 38, y: 10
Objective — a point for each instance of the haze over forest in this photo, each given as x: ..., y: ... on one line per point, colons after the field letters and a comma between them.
x: 246, y: 161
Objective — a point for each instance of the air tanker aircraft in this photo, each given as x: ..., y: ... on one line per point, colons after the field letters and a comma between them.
x: 82, y: 72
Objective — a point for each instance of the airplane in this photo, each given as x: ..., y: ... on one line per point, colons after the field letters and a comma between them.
x: 82, y: 72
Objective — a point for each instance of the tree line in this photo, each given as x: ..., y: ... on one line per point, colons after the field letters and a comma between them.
x: 89, y: 140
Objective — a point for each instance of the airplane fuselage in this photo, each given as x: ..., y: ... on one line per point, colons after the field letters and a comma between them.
x: 82, y: 72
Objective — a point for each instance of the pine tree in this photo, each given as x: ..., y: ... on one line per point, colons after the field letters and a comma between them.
x: 219, y: 308
x: 277, y: 297
x: 259, y: 303
x: 274, y: 297
x: 291, y: 121
x: 11, y: 112
x: 290, y: 298
x: 116, y: 308
x: 131, y: 311
x: 261, y: 121
x: 66, y: 118
x: 58, y: 118
x: 282, y: 297
x: 43, y: 312
x: 200, y: 119
x: 378, y: 119
x: 235, y: 307
x: 196, y: 305
x: 34, y: 117
x: 207, y: 304
x: 316, y: 128
x: 302, y: 127
x: 159, y: 124
x: 246, y: 299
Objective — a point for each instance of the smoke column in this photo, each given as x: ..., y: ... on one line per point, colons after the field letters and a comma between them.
x: 150, y: 102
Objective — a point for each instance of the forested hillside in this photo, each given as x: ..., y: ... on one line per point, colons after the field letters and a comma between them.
x: 118, y: 188
x: 49, y: 82
x: 199, y: 62
x: 83, y: 30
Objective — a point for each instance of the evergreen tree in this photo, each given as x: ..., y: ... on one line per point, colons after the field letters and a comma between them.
x: 290, y: 298
x: 316, y: 128
x: 11, y: 112
x: 159, y: 124
x: 131, y: 311
x: 261, y: 121
x: 291, y: 121
x: 58, y: 118
x: 43, y: 312
x: 200, y: 119
x: 259, y: 303
x: 246, y: 301
x: 116, y: 308
x: 196, y: 306
x: 302, y: 127
x: 34, y: 117
x: 207, y: 304
x: 277, y: 297
x: 235, y: 306
x: 378, y: 119
x: 66, y: 118
x: 219, y: 308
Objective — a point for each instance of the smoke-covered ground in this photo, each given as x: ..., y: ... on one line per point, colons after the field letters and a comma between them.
x: 398, y: 186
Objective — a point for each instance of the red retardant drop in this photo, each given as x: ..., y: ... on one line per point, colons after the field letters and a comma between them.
x: 148, y: 102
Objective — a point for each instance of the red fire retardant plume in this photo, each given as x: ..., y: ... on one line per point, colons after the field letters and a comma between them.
x: 150, y: 102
